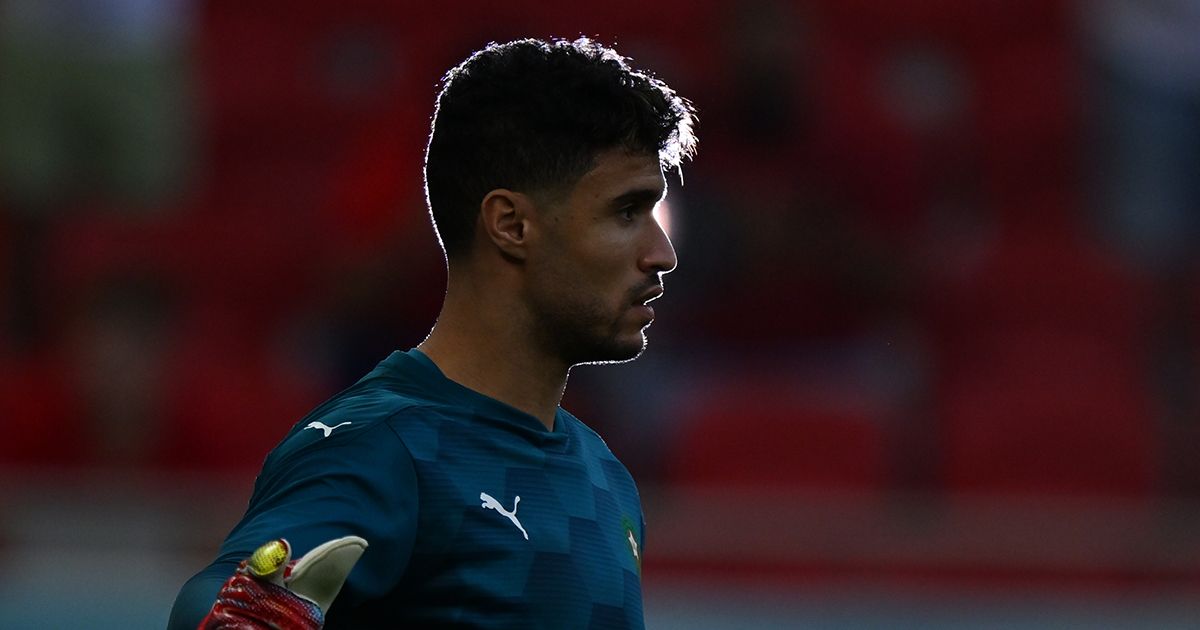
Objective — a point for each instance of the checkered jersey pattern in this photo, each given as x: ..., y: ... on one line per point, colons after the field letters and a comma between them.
x: 430, y: 472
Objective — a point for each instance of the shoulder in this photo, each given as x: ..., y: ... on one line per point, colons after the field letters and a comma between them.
x: 590, y: 441
x: 598, y: 456
x: 364, y: 419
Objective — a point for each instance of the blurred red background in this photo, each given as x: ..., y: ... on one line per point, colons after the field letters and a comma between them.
x: 931, y: 344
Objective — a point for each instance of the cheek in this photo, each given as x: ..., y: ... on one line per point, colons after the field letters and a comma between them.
x: 580, y: 290
x: 593, y: 264
x: 589, y: 267
x: 605, y: 279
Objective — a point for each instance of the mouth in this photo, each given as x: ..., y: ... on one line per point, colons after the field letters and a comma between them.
x: 641, y: 304
x: 649, y: 296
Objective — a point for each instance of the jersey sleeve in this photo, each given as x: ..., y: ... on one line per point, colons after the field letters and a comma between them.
x: 355, y: 482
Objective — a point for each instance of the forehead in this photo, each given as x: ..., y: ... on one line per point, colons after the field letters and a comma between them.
x: 617, y: 172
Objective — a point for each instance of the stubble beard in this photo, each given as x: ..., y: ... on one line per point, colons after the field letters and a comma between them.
x: 586, y: 333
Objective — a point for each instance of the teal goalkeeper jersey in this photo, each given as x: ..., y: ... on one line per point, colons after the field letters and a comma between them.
x: 476, y: 515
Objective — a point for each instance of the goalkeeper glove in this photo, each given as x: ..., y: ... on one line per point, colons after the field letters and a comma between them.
x: 268, y: 591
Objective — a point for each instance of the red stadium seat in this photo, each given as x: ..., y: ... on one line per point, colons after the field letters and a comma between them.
x: 1048, y: 412
x: 1029, y: 99
x: 259, y: 258
x: 1037, y: 270
x: 754, y: 432
x: 971, y: 26
x: 229, y: 403
x: 39, y: 414
x: 1041, y: 387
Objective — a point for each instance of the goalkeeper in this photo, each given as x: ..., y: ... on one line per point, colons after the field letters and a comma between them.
x: 447, y: 487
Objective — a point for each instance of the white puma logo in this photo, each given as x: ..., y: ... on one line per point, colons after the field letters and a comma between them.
x: 324, y: 427
x: 633, y: 545
x: 492, y: 504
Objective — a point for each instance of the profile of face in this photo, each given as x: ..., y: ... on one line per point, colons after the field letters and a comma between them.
x: 600, y: 258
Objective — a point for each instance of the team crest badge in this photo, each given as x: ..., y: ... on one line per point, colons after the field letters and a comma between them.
x: 631, y: 542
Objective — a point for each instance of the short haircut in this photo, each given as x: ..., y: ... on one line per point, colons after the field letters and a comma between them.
x: 531, y: 116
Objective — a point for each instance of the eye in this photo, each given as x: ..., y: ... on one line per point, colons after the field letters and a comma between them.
x: 629, y: 213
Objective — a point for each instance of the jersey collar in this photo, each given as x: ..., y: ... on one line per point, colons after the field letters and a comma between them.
x: 418, y: 364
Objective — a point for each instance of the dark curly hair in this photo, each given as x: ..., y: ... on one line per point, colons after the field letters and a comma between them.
x: 531, y: 116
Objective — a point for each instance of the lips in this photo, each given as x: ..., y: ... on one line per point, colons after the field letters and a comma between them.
x: 650, y: 295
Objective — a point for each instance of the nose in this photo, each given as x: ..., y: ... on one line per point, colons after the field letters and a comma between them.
x: 659, y: 255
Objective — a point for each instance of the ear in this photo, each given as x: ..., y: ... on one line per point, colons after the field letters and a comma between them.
x: 506, y: 218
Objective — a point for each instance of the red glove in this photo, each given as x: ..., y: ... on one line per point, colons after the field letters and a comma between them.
x: 268, y: 591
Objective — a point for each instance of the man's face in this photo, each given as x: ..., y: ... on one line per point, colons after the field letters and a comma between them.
x: 600, y: 260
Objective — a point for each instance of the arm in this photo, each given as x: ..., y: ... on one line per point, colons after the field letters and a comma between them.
x: 353, y: 483
x: 197, y: 596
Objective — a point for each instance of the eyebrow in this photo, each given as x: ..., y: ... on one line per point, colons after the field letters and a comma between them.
x: 639, y: 196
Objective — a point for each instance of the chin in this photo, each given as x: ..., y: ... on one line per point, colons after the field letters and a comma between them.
x: 617, y: 351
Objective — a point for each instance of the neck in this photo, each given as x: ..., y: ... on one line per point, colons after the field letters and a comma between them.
x: 486, y: 344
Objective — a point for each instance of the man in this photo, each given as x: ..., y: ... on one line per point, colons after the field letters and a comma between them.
x: 484, y: 504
